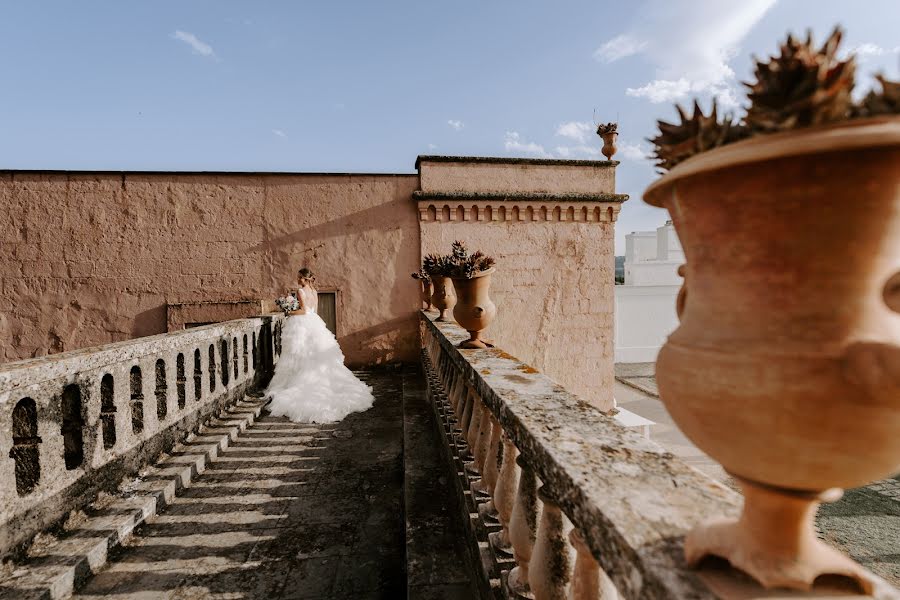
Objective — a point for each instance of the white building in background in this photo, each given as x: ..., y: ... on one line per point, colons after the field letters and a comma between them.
x: 645, y: 305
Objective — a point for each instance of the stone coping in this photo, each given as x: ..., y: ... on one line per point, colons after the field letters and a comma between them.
x: 632, y: 500
x: 46, y: 368
x: 520, y: 196
x: 200, y: 173
x: 513, y: 161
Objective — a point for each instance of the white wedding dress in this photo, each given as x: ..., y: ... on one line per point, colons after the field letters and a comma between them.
x: 311, y: 383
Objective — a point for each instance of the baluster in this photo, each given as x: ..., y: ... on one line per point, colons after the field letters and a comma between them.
x: 505, y: 496
x: 472, y: 430
x: 453, y: 392
x: 481, y: 448
x: 523, y: 530
x: 467, y: 404
x: 491, y: 473
x: 589, y: 581
x: 550, y: 566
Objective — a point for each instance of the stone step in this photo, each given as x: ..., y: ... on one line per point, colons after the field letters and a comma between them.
x: 58, y: 565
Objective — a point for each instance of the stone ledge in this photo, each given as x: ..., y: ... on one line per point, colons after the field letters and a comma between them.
x: 513, y: 161
x: 631, y: 501
x: 539, y: 197
x: 30, y: 371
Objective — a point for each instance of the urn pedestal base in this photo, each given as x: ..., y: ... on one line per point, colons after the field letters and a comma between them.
x: 774, y: 541
x: 475, y: 341
x: 442, y: 316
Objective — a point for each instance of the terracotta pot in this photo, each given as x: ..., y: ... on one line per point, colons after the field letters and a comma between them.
x: 609, y: 144
x: 444, y: 297
x: 786, y: 365
x: 475, y: 310
x: 427, y: 291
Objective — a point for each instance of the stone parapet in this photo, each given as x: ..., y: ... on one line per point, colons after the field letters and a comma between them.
x: 518, y: 175
x: 563, y: 502
x: 80, y: 422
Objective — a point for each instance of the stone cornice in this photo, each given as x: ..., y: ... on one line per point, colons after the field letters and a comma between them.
x: 514, y: 161
x: 524, y: 207
x: 519, y: 196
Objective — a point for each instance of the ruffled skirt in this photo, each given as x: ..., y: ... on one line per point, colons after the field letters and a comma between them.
x: 311, y: 383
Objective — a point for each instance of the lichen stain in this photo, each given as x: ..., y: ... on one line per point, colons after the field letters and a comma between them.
x: 517, y: 379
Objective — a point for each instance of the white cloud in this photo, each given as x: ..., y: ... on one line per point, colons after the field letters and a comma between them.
x: 576, y: 130
x: 690, y: 54
x: 513, y: 142
x: 619, y: 47
x: 279, y: 133
x: 631, y: 151
x: 201, y: 48
x: 456, y: 125
x: 867, y: 49
x: 432, y: 146
x: 581, y: 151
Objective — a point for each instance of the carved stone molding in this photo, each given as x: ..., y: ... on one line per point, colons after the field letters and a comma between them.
x: 600, y: 208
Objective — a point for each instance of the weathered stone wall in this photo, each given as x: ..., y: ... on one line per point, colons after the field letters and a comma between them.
x: 79, y: 422
x: 92, y: 258
x: 553, y: 239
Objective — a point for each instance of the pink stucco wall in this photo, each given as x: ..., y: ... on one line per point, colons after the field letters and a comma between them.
x: 550, y: 226
x: 91, y: 258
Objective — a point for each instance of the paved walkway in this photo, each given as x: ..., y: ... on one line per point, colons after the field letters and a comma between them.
x: 865, y: 523
x: 287, y: 511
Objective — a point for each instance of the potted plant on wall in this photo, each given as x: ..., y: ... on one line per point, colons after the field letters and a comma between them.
x: 609, y: 133
x: 427, y: 289
x: 474, y: 311
x: 786, y: 364
x: 439, y: 269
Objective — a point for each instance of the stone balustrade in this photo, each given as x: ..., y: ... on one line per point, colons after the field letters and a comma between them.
x: 563, y: 502
x: 76, y: 423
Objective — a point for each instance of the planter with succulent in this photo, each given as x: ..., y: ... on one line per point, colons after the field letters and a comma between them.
x: 474, y: 311
x: 427, y: 290
x: 609, y: 132
x: 786, y: 364
x: 439, y: 269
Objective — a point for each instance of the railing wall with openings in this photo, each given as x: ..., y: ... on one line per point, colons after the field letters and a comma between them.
x: 74, y: 423
x: 563, y: 502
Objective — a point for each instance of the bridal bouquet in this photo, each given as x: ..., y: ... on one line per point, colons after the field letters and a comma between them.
x: 288, y: 303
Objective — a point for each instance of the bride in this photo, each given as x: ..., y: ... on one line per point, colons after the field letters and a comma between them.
x: 311, y: 383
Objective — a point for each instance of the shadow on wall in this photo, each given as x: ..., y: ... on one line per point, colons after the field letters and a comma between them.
x: 380, y: 341
x: 149, y: 322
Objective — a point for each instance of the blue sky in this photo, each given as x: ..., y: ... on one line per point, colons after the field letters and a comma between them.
x: 366, y: 86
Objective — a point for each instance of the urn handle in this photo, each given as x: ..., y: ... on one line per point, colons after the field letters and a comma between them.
x: 682, y: 293
x: 892, y: 293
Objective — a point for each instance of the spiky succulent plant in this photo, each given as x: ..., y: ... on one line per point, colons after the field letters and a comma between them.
x: 885, y: 103
x: 421, y: 275
x: 801, y: 86
x: 465, y: 265
x: 677, y: 142
x: 604, y: 128
x: 437, y: 266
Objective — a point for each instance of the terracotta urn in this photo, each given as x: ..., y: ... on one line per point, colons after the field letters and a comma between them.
x: 444, y: 297
x: 474, y: 310
x: 426, y: 293
x: 785, y: 367
x: 609, y: 144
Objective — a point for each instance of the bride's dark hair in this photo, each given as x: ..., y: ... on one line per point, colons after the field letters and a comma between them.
x: 305, y: 273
